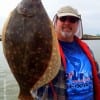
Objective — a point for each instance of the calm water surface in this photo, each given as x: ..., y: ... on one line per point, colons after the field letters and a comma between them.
x: 8, y: 86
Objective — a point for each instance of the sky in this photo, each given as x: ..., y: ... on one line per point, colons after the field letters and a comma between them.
x: 89, y: 10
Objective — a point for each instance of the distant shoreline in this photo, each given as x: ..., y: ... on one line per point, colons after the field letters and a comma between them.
x: 85, y: 37
x: 90, y: 37
x: 0, y: 38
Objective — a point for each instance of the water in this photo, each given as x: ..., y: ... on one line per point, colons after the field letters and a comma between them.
x: 8, y: 86
x: 95, y: 46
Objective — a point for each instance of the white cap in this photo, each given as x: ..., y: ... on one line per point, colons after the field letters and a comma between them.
x: 68, y: 11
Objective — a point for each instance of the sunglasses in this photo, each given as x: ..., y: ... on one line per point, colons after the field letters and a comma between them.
x: 71, y: 19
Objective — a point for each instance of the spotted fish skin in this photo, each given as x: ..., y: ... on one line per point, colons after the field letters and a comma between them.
x: 30, y: 47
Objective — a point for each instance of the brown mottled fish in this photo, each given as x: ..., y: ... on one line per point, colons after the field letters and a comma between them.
x: 30, y: 47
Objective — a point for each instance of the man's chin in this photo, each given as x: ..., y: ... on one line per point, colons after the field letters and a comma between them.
x: 67, y: 34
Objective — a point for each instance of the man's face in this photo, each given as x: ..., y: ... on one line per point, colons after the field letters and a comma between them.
x: 66, y: 25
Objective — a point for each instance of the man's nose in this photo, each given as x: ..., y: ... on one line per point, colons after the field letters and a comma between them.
x: 67, y: 21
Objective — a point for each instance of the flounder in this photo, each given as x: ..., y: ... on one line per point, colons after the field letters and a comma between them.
x: 30, y: 46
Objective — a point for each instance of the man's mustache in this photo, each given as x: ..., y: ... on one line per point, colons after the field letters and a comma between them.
x: 70, y: 28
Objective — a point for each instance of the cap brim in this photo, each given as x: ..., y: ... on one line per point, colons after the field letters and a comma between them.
x: 67, y: 14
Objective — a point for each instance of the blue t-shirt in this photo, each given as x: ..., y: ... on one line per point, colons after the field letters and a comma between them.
x: 79, y: 81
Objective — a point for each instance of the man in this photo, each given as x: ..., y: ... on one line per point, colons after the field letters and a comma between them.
x: 78, y: 76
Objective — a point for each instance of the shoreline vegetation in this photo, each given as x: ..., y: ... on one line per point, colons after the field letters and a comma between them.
x: 0, y: 37
x: 85, y: 37
x: 90, y: 37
